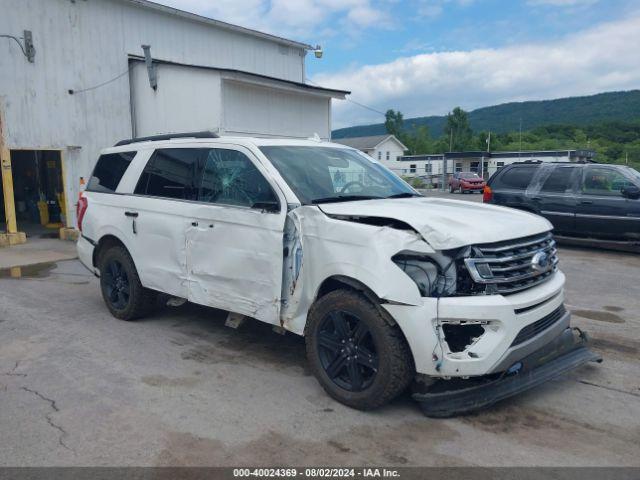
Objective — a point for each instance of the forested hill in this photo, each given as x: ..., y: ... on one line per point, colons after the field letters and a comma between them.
x: 578, y: 111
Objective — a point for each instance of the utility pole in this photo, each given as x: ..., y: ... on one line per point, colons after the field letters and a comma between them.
x: 520, y: 150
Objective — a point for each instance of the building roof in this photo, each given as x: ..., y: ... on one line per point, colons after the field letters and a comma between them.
x: 367, y: 143
x: 250, y: 75
x: 210, y: 21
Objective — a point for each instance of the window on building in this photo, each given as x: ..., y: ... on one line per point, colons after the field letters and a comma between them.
x: 474, y: 167
x: 458, y: 166
x: 109, y: 171
x: 379, y: 155
x: 559, y: 180
x: 427, y: 168
x: 171, y: 173
x: 230, y: 178
x: 388, y: 156
x: 412, y: 168
x: 485, y: 165
x: 500, y: 165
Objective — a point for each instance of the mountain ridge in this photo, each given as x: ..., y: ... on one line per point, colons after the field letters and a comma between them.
x: 579, y: 111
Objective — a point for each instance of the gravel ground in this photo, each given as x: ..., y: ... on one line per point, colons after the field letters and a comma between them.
x: 78, y: 387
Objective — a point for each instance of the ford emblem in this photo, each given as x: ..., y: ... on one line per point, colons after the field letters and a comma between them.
x: 540, y: 262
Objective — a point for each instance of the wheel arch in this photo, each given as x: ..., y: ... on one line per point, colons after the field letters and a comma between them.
x: 107, y: 241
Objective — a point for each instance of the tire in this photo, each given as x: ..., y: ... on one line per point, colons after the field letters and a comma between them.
x: 379, y: 356
x: 451, y: 189
x: 120, y: 285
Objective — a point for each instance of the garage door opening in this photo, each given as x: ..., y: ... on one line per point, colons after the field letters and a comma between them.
x: 38, y: 192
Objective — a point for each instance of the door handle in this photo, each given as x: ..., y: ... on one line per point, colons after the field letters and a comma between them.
x: 586, y: 202
x: 194, y: 224
x: 131, y: 214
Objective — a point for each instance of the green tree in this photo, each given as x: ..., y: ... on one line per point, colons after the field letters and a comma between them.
x: 394, y: 121
x: 419, y: 141
x: 458, y: 131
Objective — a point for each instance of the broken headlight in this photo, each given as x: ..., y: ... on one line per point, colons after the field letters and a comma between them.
x: 435, y: 275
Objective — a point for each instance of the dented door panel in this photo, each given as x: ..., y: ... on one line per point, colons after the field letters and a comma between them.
x: 234, y: 260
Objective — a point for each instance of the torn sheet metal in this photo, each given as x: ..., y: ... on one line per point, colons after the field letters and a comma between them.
x: 447, y: 224
x: 320, y: 247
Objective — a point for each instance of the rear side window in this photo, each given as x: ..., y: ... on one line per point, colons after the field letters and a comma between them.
x: 109, y: 171
x: 516, y: 178
x: 171, y: 173
x: 559, y: 181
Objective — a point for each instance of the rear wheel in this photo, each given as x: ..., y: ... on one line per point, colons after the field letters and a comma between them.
x: 358, y: 357
x: 122, y: 291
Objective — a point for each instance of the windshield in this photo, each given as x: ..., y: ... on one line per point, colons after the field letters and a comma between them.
x: 469, y: 175
x: 326, y: 174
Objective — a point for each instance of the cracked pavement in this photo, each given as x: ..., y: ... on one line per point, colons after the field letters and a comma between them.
x: 78, y: 387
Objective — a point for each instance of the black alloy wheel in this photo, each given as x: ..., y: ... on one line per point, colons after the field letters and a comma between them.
x: 117, y: 286
x: 347, y: 351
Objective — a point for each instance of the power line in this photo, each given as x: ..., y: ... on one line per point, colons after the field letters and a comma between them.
x: 17, y: 41
x: 73, y: 92
x: 362, y: 105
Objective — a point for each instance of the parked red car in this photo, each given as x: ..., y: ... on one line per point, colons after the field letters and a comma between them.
x: 466, y: 182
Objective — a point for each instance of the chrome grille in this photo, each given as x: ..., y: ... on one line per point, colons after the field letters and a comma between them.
x: 515, y: 265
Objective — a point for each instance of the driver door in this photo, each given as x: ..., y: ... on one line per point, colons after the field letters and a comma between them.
x: 603, y: 211
x: 235, y: 236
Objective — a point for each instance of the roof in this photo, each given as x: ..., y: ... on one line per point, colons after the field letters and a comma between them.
x: 367, y: 143
x: 210, y: 21
x: 331, y: 91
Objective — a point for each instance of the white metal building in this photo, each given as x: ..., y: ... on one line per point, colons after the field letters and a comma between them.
x: 430, y: 167
x: 73, y: 80
x: 385, y: 148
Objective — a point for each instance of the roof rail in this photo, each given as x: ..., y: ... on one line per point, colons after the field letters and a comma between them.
x: 168, y: 136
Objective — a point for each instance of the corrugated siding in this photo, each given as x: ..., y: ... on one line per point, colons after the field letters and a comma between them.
x: 251, y: 110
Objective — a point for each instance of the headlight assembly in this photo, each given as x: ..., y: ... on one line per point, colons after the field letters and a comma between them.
x: 435, y: 275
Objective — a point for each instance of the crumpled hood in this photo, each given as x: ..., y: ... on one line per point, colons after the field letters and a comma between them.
x: 445, y: 223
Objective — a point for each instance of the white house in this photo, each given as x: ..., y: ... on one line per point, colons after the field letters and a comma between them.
x: 385, y: 148
x: 75, y: 78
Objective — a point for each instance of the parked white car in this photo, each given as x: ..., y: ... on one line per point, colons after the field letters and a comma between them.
x: 388, y: 287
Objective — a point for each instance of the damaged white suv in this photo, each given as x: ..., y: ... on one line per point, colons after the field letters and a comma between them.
x: 389, y: 288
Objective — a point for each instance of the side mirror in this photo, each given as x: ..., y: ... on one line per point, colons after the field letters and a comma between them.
x: 631, y: 191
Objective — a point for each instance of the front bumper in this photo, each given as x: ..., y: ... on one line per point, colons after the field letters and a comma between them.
x: 503, y: 317
x: 446, y: 398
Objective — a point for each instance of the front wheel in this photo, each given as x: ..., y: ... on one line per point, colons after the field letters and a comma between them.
x: 451, y: 189
x: 122, y: 291
x: 358, y: 357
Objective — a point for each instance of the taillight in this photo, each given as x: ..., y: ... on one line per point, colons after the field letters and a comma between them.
x: 487, y: 194
x: 81, y: 210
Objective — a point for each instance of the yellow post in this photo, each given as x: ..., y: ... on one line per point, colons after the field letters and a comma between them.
x: 12, y: 236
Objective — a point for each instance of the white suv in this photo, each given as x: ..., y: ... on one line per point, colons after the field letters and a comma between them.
x: 388, y: 287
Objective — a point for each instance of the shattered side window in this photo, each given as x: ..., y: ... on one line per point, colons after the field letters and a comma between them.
x: 230, y: 178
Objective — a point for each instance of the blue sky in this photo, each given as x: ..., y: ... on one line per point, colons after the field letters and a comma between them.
x: 425, y: 57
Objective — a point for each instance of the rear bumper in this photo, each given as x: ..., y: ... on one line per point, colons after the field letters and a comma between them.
x: 85, y: 248
x: 447, y: 398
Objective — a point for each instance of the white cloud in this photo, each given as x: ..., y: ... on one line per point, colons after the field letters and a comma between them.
x: 598, y: 59
x: 292, y: 18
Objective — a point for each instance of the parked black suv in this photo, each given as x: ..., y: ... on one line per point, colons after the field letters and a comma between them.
x: 587, y: 200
